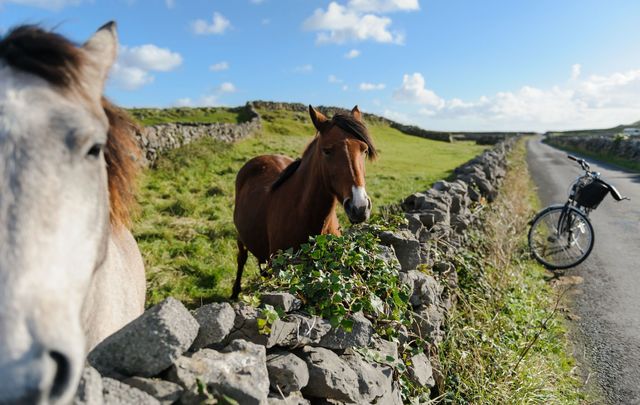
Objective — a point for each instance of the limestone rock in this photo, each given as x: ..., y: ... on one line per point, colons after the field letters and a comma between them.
x: 239, y: 371
x: 164, y: 391
x: 90, y: 388
x: 216, y: 321
x: 117, y: 393
x: 148, y: 344
x: 329, y: 376
x: 287, y: 372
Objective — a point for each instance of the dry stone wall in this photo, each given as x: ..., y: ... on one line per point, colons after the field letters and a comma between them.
x: 173, y: 355
x: 628, y: 149
x: 156, y: 139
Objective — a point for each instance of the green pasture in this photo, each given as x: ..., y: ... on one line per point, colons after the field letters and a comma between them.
x: 154, y: 116
x: 185, y: 222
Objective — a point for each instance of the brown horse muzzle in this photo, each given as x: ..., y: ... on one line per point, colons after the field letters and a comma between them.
x: 355, y: 214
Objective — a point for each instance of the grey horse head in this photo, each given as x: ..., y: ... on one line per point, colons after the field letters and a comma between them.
x: 54, y: 206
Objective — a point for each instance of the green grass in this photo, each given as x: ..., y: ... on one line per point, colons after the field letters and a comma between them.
x: 185, y: 225
x: 505, y: 342
x: 204, y: 115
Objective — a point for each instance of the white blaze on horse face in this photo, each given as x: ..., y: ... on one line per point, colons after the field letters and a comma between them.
x: 359, y: 197
x: 53, y: 220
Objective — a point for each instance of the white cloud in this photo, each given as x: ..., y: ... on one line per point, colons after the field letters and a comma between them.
x: 130, y: 77
x: 581, y: 102
x: 46, y: 4
x: 345, y: 88
x: 150, y: 57
x: 352, y: 54
x: 372, y: 86
x: 413, y: 90
x: 576, y: 70
x: 227, y: 87
x: 303, y: 69
x: 220, y: 66
x: 183, y: 102
x: 333, y: 79
x: 340, y: 24
x: 170, y: 3
x: 384, y: 6
x: 218, y: 25
x: 133, y: 68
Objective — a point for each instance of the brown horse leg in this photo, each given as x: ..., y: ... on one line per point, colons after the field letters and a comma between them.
x: 243, y: 254
x: 263, y: 271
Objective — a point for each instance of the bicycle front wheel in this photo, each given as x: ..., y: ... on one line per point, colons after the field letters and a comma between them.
x: 561, y: 237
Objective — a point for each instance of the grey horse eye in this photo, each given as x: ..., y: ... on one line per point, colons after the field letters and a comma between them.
x: 95, y: 150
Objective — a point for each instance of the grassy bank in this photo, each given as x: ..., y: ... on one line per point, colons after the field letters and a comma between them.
x: 203, y: 115
x: 605, y: 157
x: 505, y: 343
x: 185, y: 226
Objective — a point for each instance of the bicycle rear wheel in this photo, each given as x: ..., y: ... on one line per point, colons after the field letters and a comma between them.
x: 561, y: 237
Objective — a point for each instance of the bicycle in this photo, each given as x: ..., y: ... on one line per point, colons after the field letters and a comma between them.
x: 561, y: 236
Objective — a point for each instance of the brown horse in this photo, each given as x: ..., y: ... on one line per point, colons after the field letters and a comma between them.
x: 281, y: 202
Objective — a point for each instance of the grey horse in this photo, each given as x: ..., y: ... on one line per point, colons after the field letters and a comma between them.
x: 70, y: 271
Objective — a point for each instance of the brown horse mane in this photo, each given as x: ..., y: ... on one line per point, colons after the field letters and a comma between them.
x: 57, y: 60
x: 344, y: 121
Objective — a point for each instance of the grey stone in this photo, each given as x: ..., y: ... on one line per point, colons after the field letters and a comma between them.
x: 118, y: 393
x: 295, y: 398
x: 426, y: 290
x: 421, y: 371
x: 164, y: 391
x: 330, y: 377
x: 413, y: 223
x: 239, y: 371
x: 359, y: 336
x: 216, y: 321
x: 148, y: 344
x: 433, y: 217
x: 90, y: 388
x: 393, y: 397
x: 387, y: 254
x: 283, y: 333
x: 285, y: 301
x: 386, y: 348
x: 310, y: 329
x: 428, y: 320
x: 406, y: 247
x: 373, y: 383
x: 287, y: 372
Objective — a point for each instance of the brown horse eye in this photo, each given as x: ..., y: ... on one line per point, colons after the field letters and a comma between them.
x: 326, y: 151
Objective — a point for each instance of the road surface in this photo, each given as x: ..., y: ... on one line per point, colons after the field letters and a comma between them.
x: 608, y: 304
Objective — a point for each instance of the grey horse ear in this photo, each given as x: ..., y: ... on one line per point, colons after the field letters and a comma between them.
x: 355, y: 112
x: 101, y: 51
x: 317, y: 117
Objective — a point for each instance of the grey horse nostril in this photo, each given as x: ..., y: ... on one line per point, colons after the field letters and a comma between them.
x: 62, y: 378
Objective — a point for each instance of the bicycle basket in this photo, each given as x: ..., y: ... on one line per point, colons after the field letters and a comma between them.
x: 592, y: 194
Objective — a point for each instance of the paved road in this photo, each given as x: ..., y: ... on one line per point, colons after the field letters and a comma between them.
x: 608, y: 304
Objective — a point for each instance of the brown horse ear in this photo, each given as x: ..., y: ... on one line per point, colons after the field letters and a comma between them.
x: 317, y: 117
x: 356, y: 114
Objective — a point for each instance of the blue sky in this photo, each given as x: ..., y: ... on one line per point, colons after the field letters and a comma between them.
x: 447, y: 64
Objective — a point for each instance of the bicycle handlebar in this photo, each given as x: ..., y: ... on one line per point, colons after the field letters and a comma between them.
x: 583, y: 163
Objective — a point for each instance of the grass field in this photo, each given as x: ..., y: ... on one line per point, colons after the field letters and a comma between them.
x: 205, y: 115
x: 185, y: 224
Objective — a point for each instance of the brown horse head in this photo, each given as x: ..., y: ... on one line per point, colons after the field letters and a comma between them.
x: 341, y: 147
